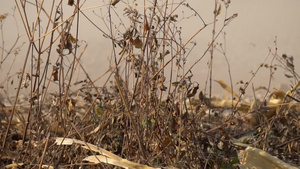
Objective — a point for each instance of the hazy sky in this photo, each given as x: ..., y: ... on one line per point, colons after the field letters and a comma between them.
x: 248, y: 38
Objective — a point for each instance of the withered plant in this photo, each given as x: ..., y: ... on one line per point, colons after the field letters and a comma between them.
x: 145, y: 108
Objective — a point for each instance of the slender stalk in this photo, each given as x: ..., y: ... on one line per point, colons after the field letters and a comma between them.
x: 17, y: 95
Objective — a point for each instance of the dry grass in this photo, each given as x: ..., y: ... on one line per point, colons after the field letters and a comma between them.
x: 147, y: 110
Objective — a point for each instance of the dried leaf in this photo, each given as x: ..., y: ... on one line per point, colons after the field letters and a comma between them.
x: 218, y: 11
x: 277, y: 97
x: 218, y: 103
x: 167, y: 52
x: 137, y: 43
x: 175, y: 83
x: 72, y: 39
x: 47, y: 167
x: 257, y: 158
x: 292, y: 91
x: 95, y: 130
x: 115, y: 2
x: 66, y: 42
x: 55, y: 73
x: 105, y: 157
x: 290, y: 65
x: 201, y: 96
x: 173, y: 18
x: 71, y: 106
x: 162, y: 87
x: 167, y: 141
x: 146, y: 26
x: 226, y: 87
x: 121, y: 51
x: 26, y: 81
x: 16, y: 165
x: 71, y: 2
x: 234, y: 15
x: 3, y: 16
x: 284, y: 56
x: 192, y: 91
x: 288, y: 76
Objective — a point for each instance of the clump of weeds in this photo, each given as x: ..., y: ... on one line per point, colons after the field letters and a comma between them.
x: 147, y: 108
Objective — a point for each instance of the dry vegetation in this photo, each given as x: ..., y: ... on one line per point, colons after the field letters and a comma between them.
x: 148, y: 110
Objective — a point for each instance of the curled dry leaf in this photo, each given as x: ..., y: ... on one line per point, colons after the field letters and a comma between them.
x: 105, y: 157
x: 192, y: 91
x: 16, y: 165
x: 226, y: 87
x: 26, y: 80
x: 257, y: 158
x: 66, y: 42
x: 55, y: 73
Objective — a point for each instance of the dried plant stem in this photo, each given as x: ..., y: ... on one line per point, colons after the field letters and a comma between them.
x: 177, y: 52
x: 133, y: 122
x: 17, y: 94
x: 44, y: 152
x: 212, y: 54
